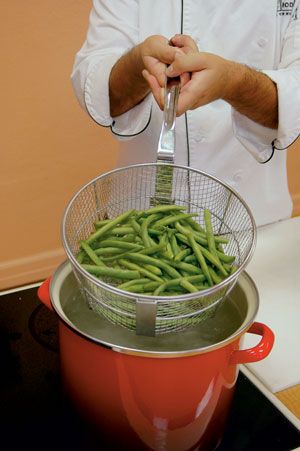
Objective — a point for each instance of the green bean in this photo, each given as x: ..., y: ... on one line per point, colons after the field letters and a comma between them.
x: 163, y: 241
x: 144, y: 228
x: 185, y: 232
x: 164, y: 208
x: 159, y: 289
x: 225, y: 258
x: 151, y: 286
x: 174, y: 245
x: 153, y: 269
x: 111, y: 272
x: 184, y: 282
x: 142, y: 270
x: 201, y: 236
x: 188, y: 286
x: 80, y: 256
x: 177, y: 282
x: 171, y: 219
x: 130, y: 237
x: 209, y: 233
x: 190, y: 269
x: 197, y: 251
x: 169, y: 253
x: 233, y: 269
x: 155, y: 262
x: 208, y: 255
x: 227, y: 267
x: 182, y: 254
x: 135, y: 288
x: 220, y: 248
x: 191, y: 259
x: 101, y: 223
x: 160, y: 245
x: 120, y: 244
x: 220, y: 239
x: 195, y: 225
x: 192, y: 279
x: 152, y: 249
x: 133, y: 282
x: 108, y: 251
x: 120, y: 231
x: 135, y: 225
x: 109, y: 226
x: 211, y: 243
x: 212, y: 259
x: 216, y: 279
x: 153, y: 232
x: 122, y: 253
x: 90, y: 252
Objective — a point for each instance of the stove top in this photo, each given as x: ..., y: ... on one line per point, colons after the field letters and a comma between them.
x: 36, y: 413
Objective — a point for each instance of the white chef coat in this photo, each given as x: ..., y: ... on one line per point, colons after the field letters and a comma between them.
x: 215, y: 138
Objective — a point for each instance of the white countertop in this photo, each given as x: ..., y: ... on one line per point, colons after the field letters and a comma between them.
x: 275, y: 269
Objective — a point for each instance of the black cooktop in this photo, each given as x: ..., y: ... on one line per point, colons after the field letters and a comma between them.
x: 35, y: 414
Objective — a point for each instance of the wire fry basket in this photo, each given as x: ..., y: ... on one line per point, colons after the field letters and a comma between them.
x: 136, y: 187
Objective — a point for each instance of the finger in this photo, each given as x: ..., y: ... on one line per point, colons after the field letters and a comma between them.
x: 157, y: 90
x: 184, y: 79
x: 155, y: 68
x: 183, y: 40
x: 165, y: 53
x: 185, y: 103
x: 192, y: 62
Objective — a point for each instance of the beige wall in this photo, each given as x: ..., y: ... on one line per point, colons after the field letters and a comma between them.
x: 49, y: 147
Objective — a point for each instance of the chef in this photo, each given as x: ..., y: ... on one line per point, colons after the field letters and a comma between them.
x: 239, y: 107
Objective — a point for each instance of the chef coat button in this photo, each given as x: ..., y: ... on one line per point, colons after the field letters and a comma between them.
x: 237, y: 177
x: 262, y: 42
x: 199, y: 138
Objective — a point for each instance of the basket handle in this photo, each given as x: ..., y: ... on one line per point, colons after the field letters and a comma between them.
x: 166, y: 144
x: 258, y: 352
x: 44, y: 293
x: 145, y: 317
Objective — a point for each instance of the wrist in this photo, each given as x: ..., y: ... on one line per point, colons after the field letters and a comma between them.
x: 236, y: 74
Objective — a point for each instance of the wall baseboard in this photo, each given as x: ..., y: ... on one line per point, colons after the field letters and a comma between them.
x: 34, y: 268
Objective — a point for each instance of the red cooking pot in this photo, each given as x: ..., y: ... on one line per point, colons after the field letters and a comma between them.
x: 172, y: 392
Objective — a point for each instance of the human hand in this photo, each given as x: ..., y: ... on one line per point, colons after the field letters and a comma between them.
x: 157, y: 53
x: 211, y: 76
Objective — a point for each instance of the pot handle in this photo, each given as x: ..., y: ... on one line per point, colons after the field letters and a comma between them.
x: 44, y: 293
x: 258, y: 352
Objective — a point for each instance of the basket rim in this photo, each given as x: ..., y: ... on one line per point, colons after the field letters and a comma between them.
x: 179, y: 298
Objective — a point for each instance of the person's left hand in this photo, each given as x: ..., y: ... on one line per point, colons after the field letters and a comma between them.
x: 211, y: 75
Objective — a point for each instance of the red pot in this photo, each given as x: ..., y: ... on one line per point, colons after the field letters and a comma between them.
x: 171, y: 392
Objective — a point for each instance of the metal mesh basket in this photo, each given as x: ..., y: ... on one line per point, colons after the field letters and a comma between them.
x: 136, y: 187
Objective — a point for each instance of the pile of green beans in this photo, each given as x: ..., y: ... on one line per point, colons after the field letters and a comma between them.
x: 160, y: 251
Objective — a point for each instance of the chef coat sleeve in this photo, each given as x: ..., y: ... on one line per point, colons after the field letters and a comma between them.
x: 113, y: 30
x: 260, y: 141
